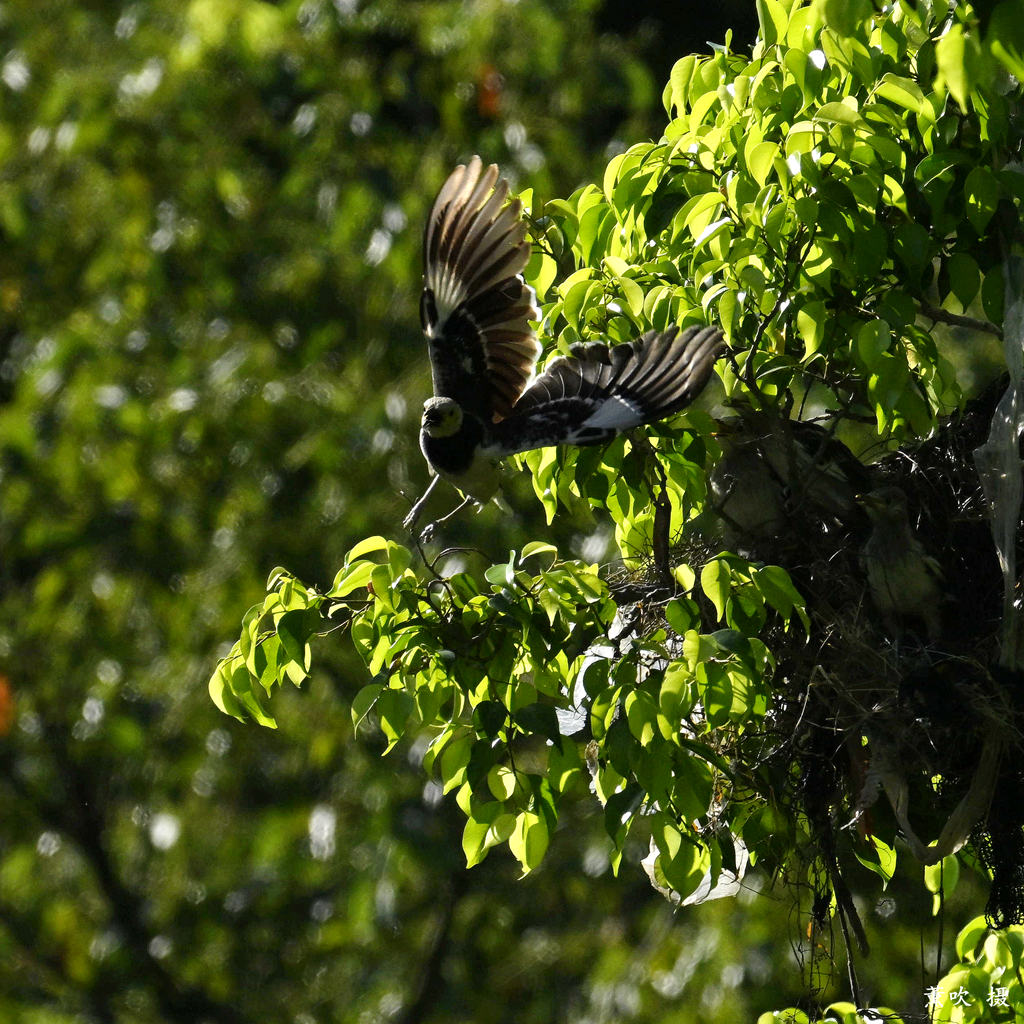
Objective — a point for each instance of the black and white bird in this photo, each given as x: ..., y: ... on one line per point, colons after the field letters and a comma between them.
x: 476, y: 312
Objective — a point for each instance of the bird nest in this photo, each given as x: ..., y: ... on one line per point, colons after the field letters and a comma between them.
x: 880, y: 721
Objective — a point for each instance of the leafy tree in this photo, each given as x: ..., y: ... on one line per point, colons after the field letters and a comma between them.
x: 732, y: 691
x: 208, y: 268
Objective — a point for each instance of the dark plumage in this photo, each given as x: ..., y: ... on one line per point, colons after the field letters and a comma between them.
x: 476, y: 308
x: 476, y: 311
x: 597, y: 391
x: 778, y: 477
x: 904, y: 581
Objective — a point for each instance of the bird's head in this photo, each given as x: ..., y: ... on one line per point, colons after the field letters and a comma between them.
x: 884, y: 504
x: 442, y: 417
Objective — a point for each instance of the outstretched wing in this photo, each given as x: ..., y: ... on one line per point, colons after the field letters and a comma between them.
x: 600, y: 390
x: 476, y: 308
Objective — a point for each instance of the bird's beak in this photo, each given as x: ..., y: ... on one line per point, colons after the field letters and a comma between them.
x: 870, y: 502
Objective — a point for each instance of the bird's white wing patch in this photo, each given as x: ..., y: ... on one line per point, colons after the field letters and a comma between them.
x: 449, y: 295
x: 615, y: 413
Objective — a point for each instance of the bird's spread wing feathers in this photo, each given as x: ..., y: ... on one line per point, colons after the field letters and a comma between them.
x: 600, y: 390
x: 476, y: 308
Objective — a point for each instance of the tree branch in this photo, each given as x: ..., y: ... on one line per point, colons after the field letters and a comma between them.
x: 971, y: 323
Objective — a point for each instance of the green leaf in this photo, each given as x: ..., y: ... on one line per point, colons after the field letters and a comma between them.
x: 773, y: 19
x: 846, y: 17
x: 564, y: 765
x: 595, y: 676
x: 998, y: 953
x: 993, y: 293
x: 1014, y: 939
x: 682, y: 861
x: 366, y: 547
x: 674, y: 695
x: 537, y: 547
x: 969, y: 937
x: 363, y: 702
x: 982, y: 192
x: 399, y: 559
x: 838, y: 113
x: 848, y: 1013
x: 277, y: 575
x: 221, y: 693
x: 236, y: 691
x: 873, y: 338
x: 501, y: 574
x: 542, y: 269
x: 579, y: 295
x: 781, y: 593
x: 453, y: 761
x: 265, y: 661
x: 677, y: 90
x: 633, y: 295
x: 810, y: 322
x: 538, y: 720
x: 941, y: 879
x: 684, y: 575
x: 594, y: 224
x: 682, y: 615
x: 883, y: 863
x: 501, y: 780
x: 714, y: 230
x: 529, y: 840
x: 489, y: 717
x: 641, y: 714
x: 964, y: 277
x: 700, y: 212
x: 958, y: 58
x: 787, y: 1016
x: 295, y: 628
x: 473, y: 837
x: 393, y: 709
x: 870, y: 246
x: 620, y: 807
x: 913, y: 245
x: 501, y: 829
x: 745, y: 610
x: 1005, y: 37
x: 714, y: 581
x: 904, y: 92
x: 761, y: 160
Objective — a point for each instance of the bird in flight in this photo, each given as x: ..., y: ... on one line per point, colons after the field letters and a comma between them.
x: 476, y: 311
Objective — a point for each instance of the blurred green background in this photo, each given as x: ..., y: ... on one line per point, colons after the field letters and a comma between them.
x: 210, y: 364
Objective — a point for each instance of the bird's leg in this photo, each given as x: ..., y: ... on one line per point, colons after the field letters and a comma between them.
x: 467, y: 500
x: 414, y: 513
x: 428, y: 530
